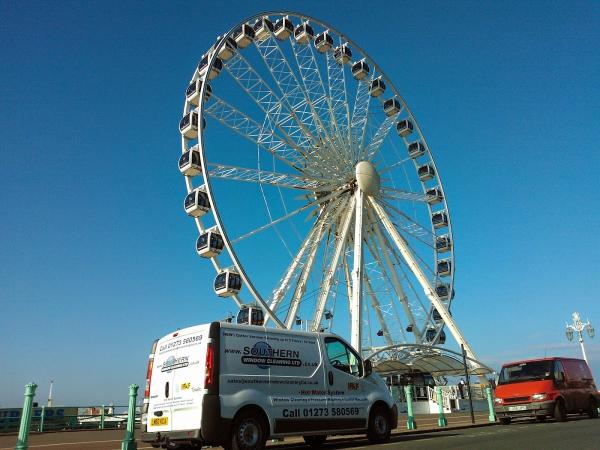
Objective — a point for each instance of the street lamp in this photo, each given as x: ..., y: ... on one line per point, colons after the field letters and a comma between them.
x: 579, y: 326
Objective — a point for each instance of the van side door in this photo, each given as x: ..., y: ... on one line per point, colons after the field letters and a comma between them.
x: 564, y: 385
x: 347, y: 390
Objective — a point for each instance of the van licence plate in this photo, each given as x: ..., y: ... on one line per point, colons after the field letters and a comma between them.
x: 517, y: 408
x: 159, y: 421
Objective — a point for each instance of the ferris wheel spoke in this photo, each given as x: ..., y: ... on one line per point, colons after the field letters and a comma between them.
x: 291, y: 89
x: 377, y: 309
x: 420, y: 276
x: 374, y: 145
x: 313, y: 86
x: 329, y: 273
x: 318, y: 201
x: 400, y: 194
x: 278, y: 179
x: 339, y: 103
x: 380, y: 242
x: 264, y: 97
x: 360, y: 116
x: 311, y: 241
x: 396, y: 164
x: 308, y: 267
x: 247, y: 127
x: 409, y: 225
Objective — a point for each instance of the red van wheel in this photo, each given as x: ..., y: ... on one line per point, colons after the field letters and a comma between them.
x: 560, y: 415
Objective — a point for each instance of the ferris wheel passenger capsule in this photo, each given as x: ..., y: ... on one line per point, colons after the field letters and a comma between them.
x: 441, y: 338
x: 426, y: 172
x: 227, y: 50
x: 196, y: 203
x: 444, y: 267
x: 442, y: 290
x: 188, y: 125
x: 377, y: 87
x: 323, y: 42
x: 360, y: 69
x: 391, y: 107
x: 189, y: 162
x: 283, y: 28
x: 244, y: 35
x: 342, y: 54
x: 262, y: 28
x: 434, y: 195
x: 437, y: 317
x: 404, y: 128
x: 209, y: 244
x: 430, y: 335
x: 192, y: 93
x: 415, y: 149
x: 439, y: 219
x: 251, y: 315
x: 443, y: 243
x: 227, y: 283
x: 214, y: 71
x: 303, y: 33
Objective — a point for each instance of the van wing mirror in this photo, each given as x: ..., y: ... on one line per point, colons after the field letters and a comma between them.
x: 368, y: 366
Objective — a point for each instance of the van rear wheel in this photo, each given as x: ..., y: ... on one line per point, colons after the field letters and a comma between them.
x: 248, y: 432
x: 379, y: 426
x: 315, y: 441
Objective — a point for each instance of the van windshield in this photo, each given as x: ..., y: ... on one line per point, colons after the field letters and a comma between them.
x: 526, y: 371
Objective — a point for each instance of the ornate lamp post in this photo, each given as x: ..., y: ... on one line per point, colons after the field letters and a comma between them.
x: 579, y: 326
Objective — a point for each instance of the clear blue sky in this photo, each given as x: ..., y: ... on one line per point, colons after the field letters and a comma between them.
x: 96, y: 254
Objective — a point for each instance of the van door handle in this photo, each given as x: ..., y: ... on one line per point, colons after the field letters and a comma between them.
x: 330, y: 377
x: 167, y: 389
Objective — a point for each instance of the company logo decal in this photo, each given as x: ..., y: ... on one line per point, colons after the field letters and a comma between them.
x: 173, y: 363
x: 263, y: 355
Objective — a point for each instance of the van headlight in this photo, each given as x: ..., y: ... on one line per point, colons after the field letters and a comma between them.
x: 498, y: 401
x: 538, y: 397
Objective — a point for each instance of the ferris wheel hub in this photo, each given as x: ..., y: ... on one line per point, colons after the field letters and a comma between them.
x: 367, y: 178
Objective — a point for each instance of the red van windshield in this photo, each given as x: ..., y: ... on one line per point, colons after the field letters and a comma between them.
x: 526, y: 371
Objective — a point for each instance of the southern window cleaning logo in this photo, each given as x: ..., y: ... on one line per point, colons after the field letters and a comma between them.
x: 173, y: 363
x: 263, y: 355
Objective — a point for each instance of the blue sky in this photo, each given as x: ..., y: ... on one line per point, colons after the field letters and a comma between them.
x: 97, y: 255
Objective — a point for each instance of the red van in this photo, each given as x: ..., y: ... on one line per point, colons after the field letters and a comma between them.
x: 545, y: 387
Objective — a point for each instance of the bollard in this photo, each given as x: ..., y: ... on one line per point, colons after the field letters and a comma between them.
x: 101, y: 426
x: 43, y: 415
x: 410, y: 422
x: 129, y: 441
x: 442, y: 422
x: 492, y: 416
x: 26, y: 417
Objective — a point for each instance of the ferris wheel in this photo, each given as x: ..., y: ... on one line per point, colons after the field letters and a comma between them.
x: 313, y: 189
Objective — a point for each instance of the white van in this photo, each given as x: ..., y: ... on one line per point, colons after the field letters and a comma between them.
x: 238, y: 385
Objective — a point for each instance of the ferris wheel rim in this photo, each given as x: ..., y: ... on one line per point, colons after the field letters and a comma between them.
x: 207, y: 178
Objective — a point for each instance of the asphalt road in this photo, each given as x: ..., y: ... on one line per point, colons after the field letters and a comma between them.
x: 576, y: 434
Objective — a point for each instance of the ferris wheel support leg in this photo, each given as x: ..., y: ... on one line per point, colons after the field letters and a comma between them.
x: 416, y: 270
x: 326, y: 284
x: 394, y: 278
x: 357, y: 274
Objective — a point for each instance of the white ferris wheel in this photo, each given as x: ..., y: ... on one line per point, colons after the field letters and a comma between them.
x: 315, y: 194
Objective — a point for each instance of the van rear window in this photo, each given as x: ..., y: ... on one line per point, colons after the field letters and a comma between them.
x: 526, y: 371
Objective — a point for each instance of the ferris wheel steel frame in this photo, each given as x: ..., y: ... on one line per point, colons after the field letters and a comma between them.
x: 310, y: 110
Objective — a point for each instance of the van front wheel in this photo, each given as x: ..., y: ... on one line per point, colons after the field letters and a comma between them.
x: 560, y: 415
x: 248, y: 432
x: 379, y: 426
